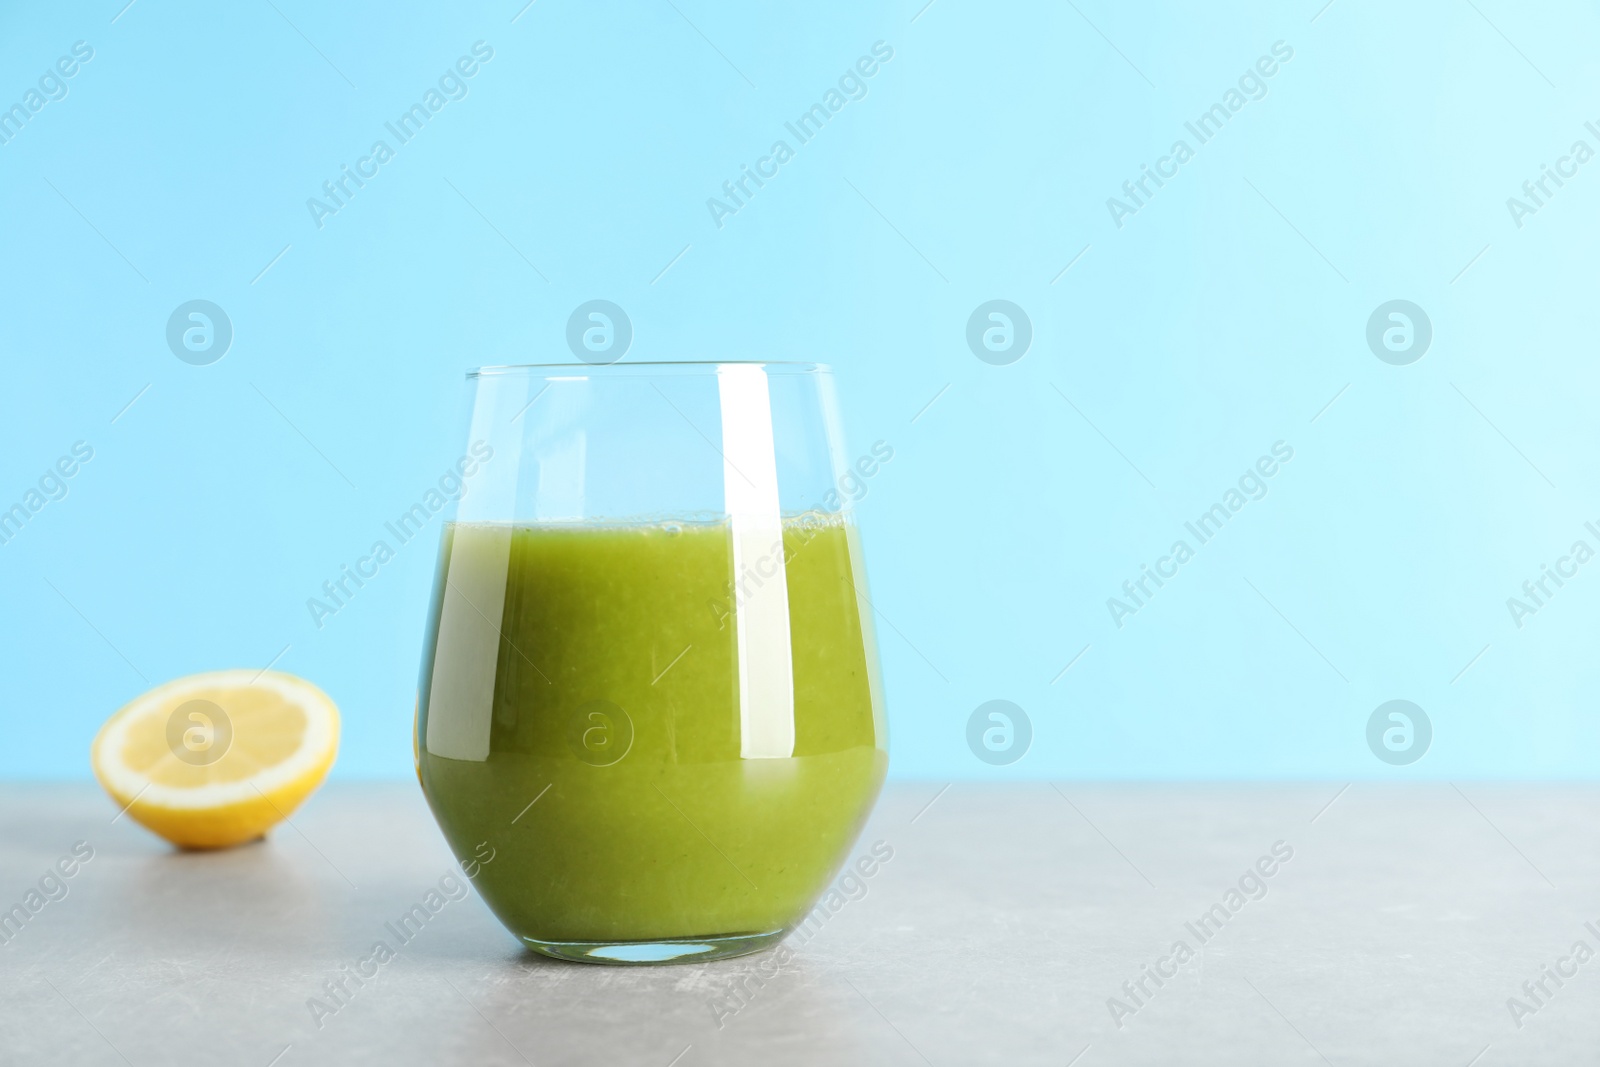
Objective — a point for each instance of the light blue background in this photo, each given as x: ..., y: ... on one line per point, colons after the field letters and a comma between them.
x: 1221, y: 318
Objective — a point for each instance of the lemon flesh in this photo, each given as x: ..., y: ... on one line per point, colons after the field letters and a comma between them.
x: 216, y: 759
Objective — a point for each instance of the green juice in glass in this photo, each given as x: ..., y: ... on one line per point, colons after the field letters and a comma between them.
x: 579, y: 713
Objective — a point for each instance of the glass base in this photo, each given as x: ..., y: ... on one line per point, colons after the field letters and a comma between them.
x: 670, y: 950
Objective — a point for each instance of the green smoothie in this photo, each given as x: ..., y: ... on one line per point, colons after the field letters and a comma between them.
x: 579, y: 712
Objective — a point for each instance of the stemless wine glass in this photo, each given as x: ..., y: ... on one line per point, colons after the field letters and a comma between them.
x: 650, y: 718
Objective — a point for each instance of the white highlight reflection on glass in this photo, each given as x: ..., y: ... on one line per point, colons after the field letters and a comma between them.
x: 461, y: 701
x: 761, y: 613
x: 563, y: 447
x: 461, y: 698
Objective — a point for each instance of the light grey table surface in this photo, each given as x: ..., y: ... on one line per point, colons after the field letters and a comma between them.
x: 1005, y: 921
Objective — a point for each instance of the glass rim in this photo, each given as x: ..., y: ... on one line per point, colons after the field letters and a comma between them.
x: 781, y: 366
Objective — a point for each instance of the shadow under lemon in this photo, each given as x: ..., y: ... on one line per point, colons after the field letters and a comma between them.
x: 579, y: 710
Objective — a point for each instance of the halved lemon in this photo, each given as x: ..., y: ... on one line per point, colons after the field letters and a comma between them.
x: 215, y: 759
